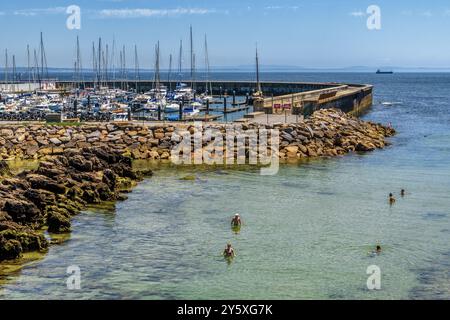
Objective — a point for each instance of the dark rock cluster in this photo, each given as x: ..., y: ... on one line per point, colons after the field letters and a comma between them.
x: 47, y: 198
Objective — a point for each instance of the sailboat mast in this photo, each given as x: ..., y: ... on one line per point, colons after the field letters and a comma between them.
x: 104, y: 68
x: 137, y: 75
x: 42, y: 55
x: 124, y: 60
x: 106, y: 63
x: 36, y: 67
x: 192, y: 58
x: 14, y: 75
x: 169, y: 73
x: 28, y: 67
x: 121, y: 69
x: 258, y: 84
x: 6, y: 67
x: 157, y: 74
x: 193, y: 71
x: 78, y: 64
x: 99, y: 61
x: 113, y: 61
x: 208, y: 86
x: 180, y: 63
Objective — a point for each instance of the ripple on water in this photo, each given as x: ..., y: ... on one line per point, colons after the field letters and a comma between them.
x: 434, y: 281
x: 435, y: 215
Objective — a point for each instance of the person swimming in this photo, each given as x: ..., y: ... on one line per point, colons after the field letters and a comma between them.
x: 236, y: 221
x: 375, y: 252
x: 402, y: 192
x: 391, y: 199
x: 229, y: 251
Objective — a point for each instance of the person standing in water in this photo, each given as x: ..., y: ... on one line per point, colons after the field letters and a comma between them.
x: 236, y: 221
x: 391, y: 199
x: 229, y: 251
x: 403, y: 192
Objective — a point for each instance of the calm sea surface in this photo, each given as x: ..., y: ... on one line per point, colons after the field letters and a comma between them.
x: 307, y: 231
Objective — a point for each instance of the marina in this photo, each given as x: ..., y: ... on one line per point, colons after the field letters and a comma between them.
x: 110, y: 104
x: 107, y: 93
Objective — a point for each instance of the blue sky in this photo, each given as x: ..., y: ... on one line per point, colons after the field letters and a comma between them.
x: 319, y: 33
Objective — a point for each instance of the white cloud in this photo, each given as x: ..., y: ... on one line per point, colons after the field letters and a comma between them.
x: 140, y: 13
x: 427, y: 14
x: 357, y: 14
x: 36, y: 12
x: 281, y: 7
x: 447, y: 13
x: 2, y: 13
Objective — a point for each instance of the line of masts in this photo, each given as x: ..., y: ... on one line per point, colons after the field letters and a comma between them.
x: 36, y: 71
x: 104, y: 65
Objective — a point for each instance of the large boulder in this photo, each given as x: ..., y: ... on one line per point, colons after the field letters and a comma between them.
x: 80, y: 163
x: 365, y: 146
x: 57, y: 222
x: 21, y: 211
x: 9, y: 249
x: 28, y: 239
x: 41, y: 198
x: 38, y: 181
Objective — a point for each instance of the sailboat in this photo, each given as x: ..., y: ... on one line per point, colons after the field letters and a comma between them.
x: 183, y: 91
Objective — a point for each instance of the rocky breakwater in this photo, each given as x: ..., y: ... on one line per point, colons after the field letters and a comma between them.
x: 328, y: 132
x: 331, y: 132
x: 46, y: 198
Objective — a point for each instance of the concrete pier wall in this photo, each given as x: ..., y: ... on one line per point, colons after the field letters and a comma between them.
x: 349, y: 98
x: 218, y: 87
x: 292, y: 97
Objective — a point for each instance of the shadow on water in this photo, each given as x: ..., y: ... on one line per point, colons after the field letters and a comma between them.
x: 434, y: 281
x: 435, y: 215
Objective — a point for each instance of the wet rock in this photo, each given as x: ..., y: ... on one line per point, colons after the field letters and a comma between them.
x: 57, y: 222
x: 41, y: 198
x: 9, y: 249
x: 21, y: 211
x: 80, y: 163
x: 28, y: 239
x: 38, y: 181
x: 364, y: 147
x: 15, y: 184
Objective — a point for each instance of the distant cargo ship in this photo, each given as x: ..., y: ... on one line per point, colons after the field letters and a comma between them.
x: 384, y: 72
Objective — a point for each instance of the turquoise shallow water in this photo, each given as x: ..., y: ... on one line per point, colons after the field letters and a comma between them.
x: 307, y: 230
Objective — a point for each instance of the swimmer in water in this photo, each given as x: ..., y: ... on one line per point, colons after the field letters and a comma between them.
x: 391, y: 199
x: 236, y: 221
x: 229, y: 251
x: 375, y: 252
x: 402, y: 192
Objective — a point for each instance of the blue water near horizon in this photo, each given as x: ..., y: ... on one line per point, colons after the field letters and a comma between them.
x: 307, y: 230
